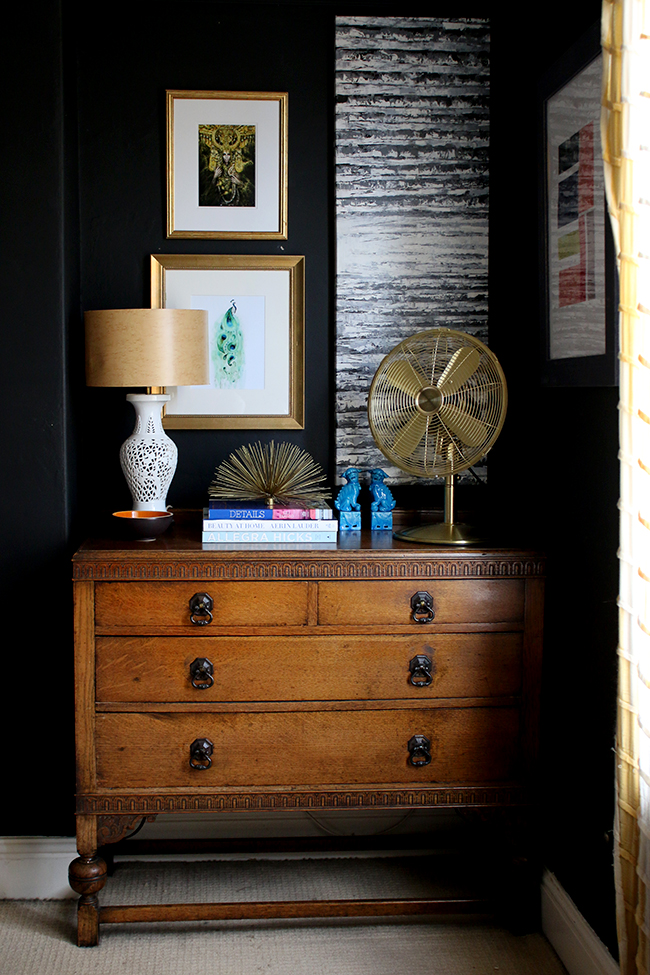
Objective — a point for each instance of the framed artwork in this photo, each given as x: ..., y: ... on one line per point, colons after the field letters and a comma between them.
x: 227, y: 164
x: 578, y: 264
x: 255, y: 308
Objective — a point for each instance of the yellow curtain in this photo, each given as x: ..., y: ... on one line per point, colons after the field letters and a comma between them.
x: 626, y: 151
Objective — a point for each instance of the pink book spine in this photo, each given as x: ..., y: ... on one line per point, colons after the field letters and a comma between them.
x: 294, y: 514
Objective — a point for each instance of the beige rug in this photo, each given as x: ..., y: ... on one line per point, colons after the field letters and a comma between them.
x: 37, y: 937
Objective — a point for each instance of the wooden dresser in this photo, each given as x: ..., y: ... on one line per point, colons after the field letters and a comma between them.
x: 375, y: 673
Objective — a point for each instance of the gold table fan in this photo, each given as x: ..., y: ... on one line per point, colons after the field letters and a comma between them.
x: 436, y: 406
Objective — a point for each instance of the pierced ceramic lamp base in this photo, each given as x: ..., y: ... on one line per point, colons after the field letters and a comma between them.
x: 148, y: 457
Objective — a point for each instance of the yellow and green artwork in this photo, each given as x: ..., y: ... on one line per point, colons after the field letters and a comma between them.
x: 226, y: 165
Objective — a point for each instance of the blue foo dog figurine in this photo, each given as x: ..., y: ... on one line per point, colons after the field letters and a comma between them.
x: 382, y: 503
x: 347, y: 504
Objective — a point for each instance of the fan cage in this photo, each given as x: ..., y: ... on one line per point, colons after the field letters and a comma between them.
x: 425, y: 444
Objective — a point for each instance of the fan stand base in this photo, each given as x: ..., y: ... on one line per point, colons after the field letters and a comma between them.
x: 447, y: 532
x: 440, y: 533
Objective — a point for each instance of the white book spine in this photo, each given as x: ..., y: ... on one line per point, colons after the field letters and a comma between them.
x: 269, y: 536
x: 265, y: 546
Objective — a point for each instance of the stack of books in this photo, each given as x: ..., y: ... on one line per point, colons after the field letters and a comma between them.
x: 232, y: 523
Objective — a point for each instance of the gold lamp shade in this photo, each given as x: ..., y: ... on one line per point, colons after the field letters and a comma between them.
x: 147, y: 347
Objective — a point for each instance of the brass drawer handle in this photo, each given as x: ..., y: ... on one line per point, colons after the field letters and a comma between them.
x: 421, y: 666
x: 422, y: 607
x: 201, y: 673
x: 201, y: 754
x: 201, y: 606
x: 419, y: 751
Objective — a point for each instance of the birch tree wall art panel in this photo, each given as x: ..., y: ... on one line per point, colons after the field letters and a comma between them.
x: 412, y: 143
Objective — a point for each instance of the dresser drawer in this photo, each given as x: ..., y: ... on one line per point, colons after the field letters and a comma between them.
x: 152, y: 751
x: 327, y: 668
x: 159, y: 606
x: 389, y: 603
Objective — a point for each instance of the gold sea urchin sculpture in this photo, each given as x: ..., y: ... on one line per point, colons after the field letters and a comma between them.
x: 279, y: 474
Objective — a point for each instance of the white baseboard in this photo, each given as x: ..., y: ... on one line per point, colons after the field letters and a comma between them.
x: 36, y: 867
x: 576, y: 943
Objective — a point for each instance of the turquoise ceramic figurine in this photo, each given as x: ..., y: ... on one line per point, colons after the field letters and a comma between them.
x: 346, y: 502
x: 383, y: 502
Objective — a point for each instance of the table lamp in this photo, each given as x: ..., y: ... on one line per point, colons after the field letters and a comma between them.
x: 151, y: 347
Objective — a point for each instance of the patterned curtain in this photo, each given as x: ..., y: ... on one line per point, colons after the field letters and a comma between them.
x: 626, y: 153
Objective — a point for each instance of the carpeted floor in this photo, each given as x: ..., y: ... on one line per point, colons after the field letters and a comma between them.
x: 38, y: 937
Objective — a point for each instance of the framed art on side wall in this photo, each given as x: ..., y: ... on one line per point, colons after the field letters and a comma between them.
x: 255, y: 308
x: 227, y: 164
x: 578, y: 266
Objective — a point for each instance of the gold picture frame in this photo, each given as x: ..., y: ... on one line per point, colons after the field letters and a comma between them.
x: 227, y: 164
x: 259, y: 384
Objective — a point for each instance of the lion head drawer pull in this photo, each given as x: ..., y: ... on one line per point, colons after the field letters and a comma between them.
x: 201, y: 606
x: 419, y: 751
x: 201, y: 673
x: 421, y: 666
x: 201, y: 754
x: 422, y: 607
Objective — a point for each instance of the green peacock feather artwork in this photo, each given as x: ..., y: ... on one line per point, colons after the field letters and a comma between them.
x: 228, y: 350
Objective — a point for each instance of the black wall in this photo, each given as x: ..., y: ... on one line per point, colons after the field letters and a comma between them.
x: 83, y: 181
x: 554, y: 470
x: 122, y: 77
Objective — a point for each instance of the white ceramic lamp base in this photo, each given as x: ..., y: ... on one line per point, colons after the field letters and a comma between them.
x: 148, y: 457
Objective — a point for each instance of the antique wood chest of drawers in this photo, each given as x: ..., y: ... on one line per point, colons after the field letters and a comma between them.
x: 372, y: 673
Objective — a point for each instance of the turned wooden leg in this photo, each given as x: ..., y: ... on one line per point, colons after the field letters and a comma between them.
x: 521, y: 874
x: 87, y: 875
x: 507, y: 840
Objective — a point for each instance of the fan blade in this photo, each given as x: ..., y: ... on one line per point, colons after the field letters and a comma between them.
x: 433, y: 449
x: 410, y: 436
x: 466, y: 427
x: 463, y: 364
x: 401, y: 374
